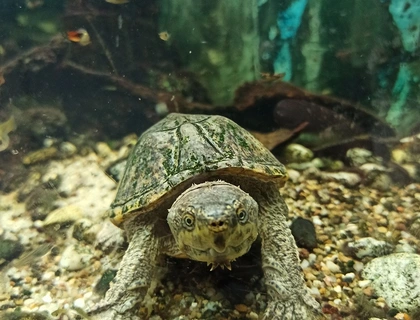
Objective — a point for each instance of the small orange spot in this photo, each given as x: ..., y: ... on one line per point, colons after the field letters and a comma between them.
x: 80, y: 36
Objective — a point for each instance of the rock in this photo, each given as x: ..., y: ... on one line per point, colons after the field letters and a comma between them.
x: 297, y: 153
x: 396, y: 278
x: 413, y: 170
x: 67, y: 149
x: 75, y: 257
x: 331, y: 266
x: 347, y: 179
x: 367, y: 247
x: 359, y: 156
x: 303, y: 231
x: 10, y: 249
x: 349, y: 277
x: 61, y: 218
x: 302, y: 166
x: 41, y: 155
x: 382, y: 182
x: 81, y: 231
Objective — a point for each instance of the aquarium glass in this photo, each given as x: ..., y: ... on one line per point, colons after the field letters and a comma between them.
x: 223, y: 159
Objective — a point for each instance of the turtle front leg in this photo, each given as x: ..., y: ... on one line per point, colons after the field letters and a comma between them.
x: 289, y: 298
x: 133, y: 280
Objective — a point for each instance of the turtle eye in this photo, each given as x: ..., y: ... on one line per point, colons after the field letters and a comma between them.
x: 242, y: 215
x: 188, y: 220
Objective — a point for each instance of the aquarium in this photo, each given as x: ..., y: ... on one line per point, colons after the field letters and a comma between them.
x: 220, y: 160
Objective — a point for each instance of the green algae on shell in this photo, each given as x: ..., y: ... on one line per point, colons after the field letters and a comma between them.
x: 181, y: 147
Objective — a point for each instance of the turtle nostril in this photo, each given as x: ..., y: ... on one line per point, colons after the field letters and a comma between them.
x: 218, y: 225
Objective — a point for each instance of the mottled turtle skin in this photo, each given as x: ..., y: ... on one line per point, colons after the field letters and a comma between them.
x: 201, y: 187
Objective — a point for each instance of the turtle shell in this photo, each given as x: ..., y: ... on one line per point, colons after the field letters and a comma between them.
x: 181, y: 147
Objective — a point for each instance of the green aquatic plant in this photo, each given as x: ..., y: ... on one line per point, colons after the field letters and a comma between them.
x: 5, y: 128
x: 365, y: 309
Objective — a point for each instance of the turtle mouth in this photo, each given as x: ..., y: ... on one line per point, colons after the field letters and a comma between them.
x: 215, y: 257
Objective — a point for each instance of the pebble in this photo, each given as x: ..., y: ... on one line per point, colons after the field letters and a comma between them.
x: 68, y: 149
x: 10, y: 249
x: 75, y: 257
x: 367, y: 247
x: 334, y: 268
x: 348, y: 179
x: 349, y: 277
x: 41, y: 155
x: 47, y: 298
x: 296, y: 153
x: 303, y: 231
x: 360, y: 156
x: 79, y: 303
x: 63, y: 216
x: 358, y: 266
x: 81, y: 231
x: 363, y: 283
x: 241, y: 307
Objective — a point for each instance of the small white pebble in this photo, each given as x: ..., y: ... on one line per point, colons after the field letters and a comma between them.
x: 87, y: 295
x: 193, y: 305
x: 317, y: 284
x: 312, y: 258
x: 315, y: 292
x: 28, y: 302
x: 358, y: 266
x: 317, y: 221
x: 378, y: 209
x: 337, y: 302
x: 47, y: 298
x: 363, y: 283
x: 304, y: 264
x: 48, y: 275
x: 332, y: 267
x: 337, y: 289
x: 349, y: 277
x: 253, y: 315
x: 294, y: 175
x: 79, y: 303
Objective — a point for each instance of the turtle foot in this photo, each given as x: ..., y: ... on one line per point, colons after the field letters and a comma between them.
x: 291, y: 310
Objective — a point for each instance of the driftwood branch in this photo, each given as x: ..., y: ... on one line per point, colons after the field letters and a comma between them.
x: 175, y: 102
x: 38, y: 57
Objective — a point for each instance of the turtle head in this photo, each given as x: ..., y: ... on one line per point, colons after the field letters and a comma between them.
x: 214, y: 222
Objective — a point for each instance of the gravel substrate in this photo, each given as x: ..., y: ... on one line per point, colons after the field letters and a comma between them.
x: 67, y: 253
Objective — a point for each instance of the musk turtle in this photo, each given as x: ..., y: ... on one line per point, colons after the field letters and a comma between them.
x: 201, y: 187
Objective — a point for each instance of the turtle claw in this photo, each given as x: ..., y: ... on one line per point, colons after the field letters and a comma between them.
x: 222, y: 265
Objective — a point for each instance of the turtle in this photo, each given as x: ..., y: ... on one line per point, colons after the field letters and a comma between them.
x: 201, y: 187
